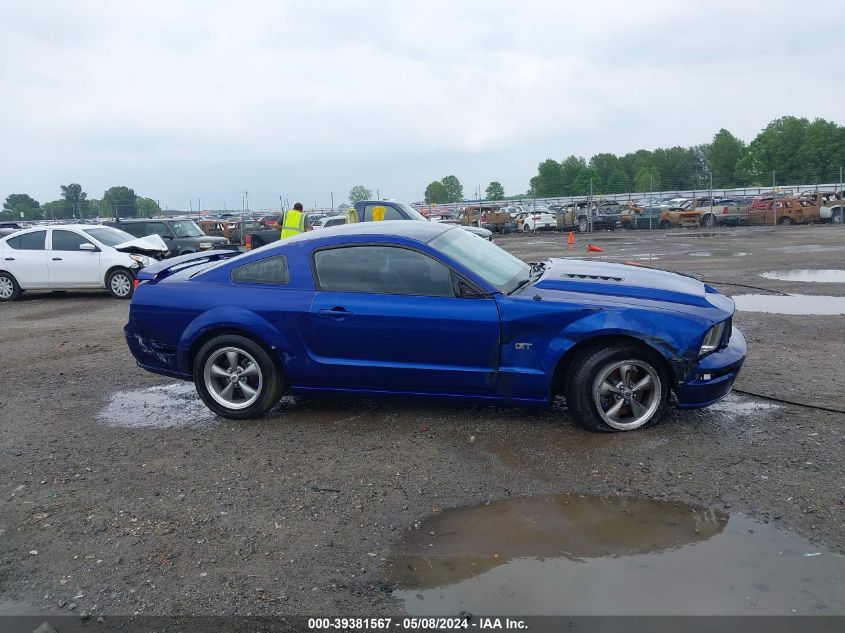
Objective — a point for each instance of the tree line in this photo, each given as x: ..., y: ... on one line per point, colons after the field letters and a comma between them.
x: 117, y: 201
x: 791, y: 150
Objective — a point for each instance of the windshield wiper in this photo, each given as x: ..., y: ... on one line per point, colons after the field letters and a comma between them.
x: 536, y: 272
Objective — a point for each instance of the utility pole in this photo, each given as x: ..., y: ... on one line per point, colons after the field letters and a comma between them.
x: 246, y: 196
x: 712, y: 221
x: 650, y: 200
x: 774, y: 205
x: 332, y: 200
x: 590, y: 207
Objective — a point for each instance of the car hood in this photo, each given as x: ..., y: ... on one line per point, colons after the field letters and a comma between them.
x: 478, y: 231
x: 629, y: 282
x: 152, y: 244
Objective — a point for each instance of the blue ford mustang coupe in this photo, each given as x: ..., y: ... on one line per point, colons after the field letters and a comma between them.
x: 426, y: 309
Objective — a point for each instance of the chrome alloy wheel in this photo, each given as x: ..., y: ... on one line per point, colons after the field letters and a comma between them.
x: 120, y: 284
x: 233, y: 378
x: 7, y: 287
x: 627, y: 394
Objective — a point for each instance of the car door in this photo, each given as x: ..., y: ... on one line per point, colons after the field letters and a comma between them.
x: 387, y: 317
x: 25, y: 257
x: 70, y: 266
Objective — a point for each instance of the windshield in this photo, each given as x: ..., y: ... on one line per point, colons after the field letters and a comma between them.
x: 413, y: 214
x: 491, y: 263
x: 186, y: 228
x: 109, y: 236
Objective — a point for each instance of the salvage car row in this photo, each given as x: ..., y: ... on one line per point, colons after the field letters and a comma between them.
x: 649, y: 213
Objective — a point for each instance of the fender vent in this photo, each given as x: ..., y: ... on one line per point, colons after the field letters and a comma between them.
x: 602, y: 277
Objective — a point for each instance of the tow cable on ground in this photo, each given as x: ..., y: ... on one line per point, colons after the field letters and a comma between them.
x: 760, y: 395
x: 792, y: 402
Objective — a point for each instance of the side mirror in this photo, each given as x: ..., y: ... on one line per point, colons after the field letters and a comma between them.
x: 87, y: 246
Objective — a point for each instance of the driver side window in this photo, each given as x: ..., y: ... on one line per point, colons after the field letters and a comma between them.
x: 382, y: 270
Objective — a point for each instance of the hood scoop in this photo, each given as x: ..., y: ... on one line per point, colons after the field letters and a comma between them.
x: 594, y: 277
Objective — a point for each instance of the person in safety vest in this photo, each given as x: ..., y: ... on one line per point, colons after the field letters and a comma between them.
x: 379, y: 213
x: 294, y: 222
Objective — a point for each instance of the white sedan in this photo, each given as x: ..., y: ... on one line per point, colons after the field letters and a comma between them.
x: 534, y: 221
x: 74, y: 256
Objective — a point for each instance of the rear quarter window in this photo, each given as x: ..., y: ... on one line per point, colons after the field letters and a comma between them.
x: 28, y: 241
x: 270, y: 270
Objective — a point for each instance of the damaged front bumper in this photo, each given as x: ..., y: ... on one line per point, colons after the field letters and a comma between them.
x: 712, y: 377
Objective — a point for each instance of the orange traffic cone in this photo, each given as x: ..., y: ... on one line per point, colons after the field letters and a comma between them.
x: 571, y: 239
x: 592, y: 248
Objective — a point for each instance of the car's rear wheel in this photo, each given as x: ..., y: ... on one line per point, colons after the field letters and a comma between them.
x: 583, y: 225
x: 708, y: 221
x: 785, y: 221
x: 665, y: 224
x: 837, y: 216
x: 9, y: 288
x: 120, y: 282
x: 617, y: 388
x: 236, y: 377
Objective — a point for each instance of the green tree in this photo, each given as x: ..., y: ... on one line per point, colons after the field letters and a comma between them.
x: 359, y: 193
x: 17, y: 203
x: 75, y: 199
x: 722, y: 154
x: 822, y: 152
x: 633, y: 162
x: 454, y: 189
x: 569, y: 170
x: 495, y: 191
x: 605, y: 165
x: 775, y: 149
x: 647, y: 179
x: 548, y: 183
x: 147, y: 207
x: 582, y: 184
x: 436, y: 193
x: 617, y: 182
x: 120, y: 202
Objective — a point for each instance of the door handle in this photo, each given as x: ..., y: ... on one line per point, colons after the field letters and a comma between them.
x: 10, y: 259
x: 57, y: 259
x: 336, y: 313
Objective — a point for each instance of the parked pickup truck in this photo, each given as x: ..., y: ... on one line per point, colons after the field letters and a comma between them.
x: 365, y: 211
x: 490, y: 218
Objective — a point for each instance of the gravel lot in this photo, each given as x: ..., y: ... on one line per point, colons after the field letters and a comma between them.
x: 122, y: 498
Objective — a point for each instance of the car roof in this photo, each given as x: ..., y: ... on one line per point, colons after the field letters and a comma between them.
x: 131, y: 220
x: 78, y: 227
x: 411, y: 229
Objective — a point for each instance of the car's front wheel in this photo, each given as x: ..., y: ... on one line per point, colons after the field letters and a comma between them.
x: 9, y: 288
x: 120, y: 282
x: 617, y: 388
x: 236, y: 377
x: 583, y: 225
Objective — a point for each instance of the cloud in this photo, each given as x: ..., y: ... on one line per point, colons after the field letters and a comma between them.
x: 205, y: 99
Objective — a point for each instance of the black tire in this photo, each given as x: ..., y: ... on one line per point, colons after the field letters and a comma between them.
x: 589, y: 367
x: 708, y: 221
x: 664, y: 224
x: 268, y: 386
x: 836, y: 218
x: 10, y: 290
x: 120, y: 282
x: 583, y: 225
x: 785, y: 221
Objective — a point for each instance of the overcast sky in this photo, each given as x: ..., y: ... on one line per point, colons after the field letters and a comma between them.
x: 188, y: 100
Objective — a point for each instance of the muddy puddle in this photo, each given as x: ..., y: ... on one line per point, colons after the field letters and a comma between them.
x: 575, y: 555
x: 718, y: 254
x: 833, y: 276
x: 166, y: 406
x: 178, y: 406
x: 790, y: 304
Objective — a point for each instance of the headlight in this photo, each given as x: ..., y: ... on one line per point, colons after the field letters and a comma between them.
x: 204, y: 245
x: 713, y: 339
x: 142, y: 260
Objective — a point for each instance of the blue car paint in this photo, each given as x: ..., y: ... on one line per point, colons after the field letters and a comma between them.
x: 453, y: 348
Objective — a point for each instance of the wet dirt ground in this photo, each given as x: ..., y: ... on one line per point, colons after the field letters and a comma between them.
x: 121, y: 494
